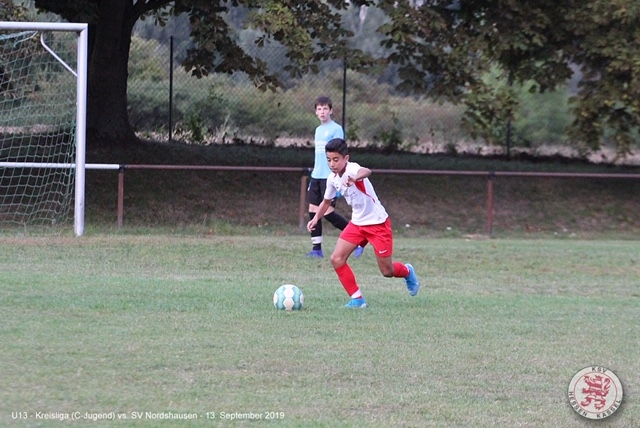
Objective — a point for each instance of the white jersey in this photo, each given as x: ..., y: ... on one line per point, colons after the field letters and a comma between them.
x: 361, y: 196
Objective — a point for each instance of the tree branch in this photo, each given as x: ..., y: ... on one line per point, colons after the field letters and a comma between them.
x: 143, y: 6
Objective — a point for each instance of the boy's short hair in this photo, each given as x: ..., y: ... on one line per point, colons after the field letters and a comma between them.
x: 323, y: 101
x: 337, y: 145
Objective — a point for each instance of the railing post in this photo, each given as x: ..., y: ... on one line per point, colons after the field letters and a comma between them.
x: 121, y: 195
x: 490, y: 178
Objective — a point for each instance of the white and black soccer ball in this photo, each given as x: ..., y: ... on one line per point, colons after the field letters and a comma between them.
x: 288, y: 297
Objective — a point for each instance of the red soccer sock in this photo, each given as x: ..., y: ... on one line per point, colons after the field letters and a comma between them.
x: 347, y: 279
x: 400, y: 270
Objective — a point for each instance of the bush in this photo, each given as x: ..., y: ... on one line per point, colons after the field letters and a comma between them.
x: 543, y: 118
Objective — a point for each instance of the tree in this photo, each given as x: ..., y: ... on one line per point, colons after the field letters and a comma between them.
x: 12, y: 12
x: 523, y: 43
x: 9, y: 12
x: 606, y: 45
x: 441, y: 48
x: 311, y: 31
x: 110, y: 27
x: 445, y: 48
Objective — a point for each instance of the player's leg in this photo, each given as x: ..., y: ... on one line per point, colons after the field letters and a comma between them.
x: 381, y: 238
x: 391, y: 269
x: 314, y: 197
x: 338, y: 221
x: 341, y: 252
x: 316, y: 235
x: 339, y: 258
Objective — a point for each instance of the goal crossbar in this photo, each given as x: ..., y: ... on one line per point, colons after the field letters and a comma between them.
x: 81, y: 96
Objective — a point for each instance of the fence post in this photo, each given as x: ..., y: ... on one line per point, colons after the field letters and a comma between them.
x: 344, y: 97
x: 171, y: 89
x: 121, y: 195
x: 490, y: 202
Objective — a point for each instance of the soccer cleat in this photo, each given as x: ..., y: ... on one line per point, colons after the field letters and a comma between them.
x: 317, y: 254
x: 412, y: 281
x: 358, y: 251
x: 356, y: 303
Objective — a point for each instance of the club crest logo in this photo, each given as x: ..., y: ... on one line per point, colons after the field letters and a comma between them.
x: 595, y: 392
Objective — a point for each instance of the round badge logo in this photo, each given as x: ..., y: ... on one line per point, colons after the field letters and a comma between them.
x: 595, y: 392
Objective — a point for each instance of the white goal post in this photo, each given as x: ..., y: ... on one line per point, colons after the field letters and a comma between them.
x: 78, y: 134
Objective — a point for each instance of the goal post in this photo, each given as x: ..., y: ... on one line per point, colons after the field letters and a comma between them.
x: 30, y: 86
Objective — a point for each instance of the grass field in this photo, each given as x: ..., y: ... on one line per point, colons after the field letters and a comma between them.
x: 126, y: 325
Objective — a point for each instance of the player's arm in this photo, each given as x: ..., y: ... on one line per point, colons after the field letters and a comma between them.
x: 360, y: 175
x: 322, y: 209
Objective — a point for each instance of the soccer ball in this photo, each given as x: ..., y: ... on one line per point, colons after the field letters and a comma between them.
x: 288, y: 297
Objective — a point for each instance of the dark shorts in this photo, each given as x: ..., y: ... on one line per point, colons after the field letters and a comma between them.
x: 315, y: 194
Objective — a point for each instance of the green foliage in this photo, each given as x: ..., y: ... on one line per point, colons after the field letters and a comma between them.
x: 534, y: 118
x: 542, y: 118
x: 10, y: 11
x: 191, y: 129
x: 489, y: 112
x: 435, y: 49
x: 148, y: 104
x: 143, y: 60
x: 608, y: 102
x: 210, y: 105
x: 378, y: 117
x: 391, y: 140
x: 352, y: 131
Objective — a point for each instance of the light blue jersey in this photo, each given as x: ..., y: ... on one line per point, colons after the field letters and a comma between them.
x: 324, y: 133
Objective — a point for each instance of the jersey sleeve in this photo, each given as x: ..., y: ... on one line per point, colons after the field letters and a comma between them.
x: 330, y: 191
x: 338, y: 132
x: 352, y: 169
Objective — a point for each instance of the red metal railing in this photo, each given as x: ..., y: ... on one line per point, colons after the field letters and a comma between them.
x: 305, y: 173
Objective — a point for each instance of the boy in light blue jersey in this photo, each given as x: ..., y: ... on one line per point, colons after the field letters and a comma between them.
x: 326, y: 131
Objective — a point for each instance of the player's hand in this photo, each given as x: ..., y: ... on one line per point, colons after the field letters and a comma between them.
x: 311, y: 225
x: 348, y: 181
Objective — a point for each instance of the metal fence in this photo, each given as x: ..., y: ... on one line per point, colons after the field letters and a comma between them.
x: 166, y: 103
x: 490, y: 177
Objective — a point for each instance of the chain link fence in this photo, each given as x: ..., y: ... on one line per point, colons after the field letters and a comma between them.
x: 167, y: 104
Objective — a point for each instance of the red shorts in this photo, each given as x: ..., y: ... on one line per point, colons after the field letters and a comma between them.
x: 380, y: 236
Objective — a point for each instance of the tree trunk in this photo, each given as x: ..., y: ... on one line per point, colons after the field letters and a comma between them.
x: 110, y: 41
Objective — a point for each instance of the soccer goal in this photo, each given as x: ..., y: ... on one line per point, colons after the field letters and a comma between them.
x: 43, y: 85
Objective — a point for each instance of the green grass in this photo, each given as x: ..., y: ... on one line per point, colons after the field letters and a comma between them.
x: 167, y: 323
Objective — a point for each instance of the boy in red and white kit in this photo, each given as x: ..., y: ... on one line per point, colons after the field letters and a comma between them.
x: 369, y: 223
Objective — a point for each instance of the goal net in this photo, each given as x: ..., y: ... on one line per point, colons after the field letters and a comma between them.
x: 42, y: 125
